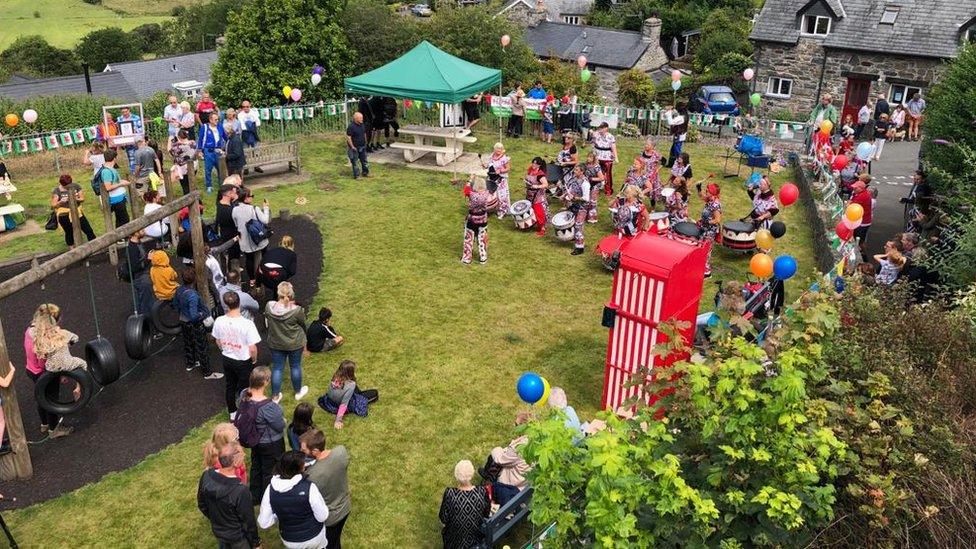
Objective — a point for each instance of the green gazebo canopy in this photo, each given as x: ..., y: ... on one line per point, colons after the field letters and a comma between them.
x: 426, y: 73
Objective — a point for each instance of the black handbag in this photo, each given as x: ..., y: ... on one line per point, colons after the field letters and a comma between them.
x: 52, y: 222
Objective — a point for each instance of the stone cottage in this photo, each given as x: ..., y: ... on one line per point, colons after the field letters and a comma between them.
x: 855, y: 49
x: 531, y: 12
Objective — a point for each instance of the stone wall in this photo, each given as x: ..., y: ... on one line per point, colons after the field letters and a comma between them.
x: 524, y: 16
x: 804, y: 62
x: 606, y: 80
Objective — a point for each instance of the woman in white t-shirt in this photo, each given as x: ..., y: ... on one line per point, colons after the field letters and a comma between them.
x: 94, y: 157
x: 154, y: 202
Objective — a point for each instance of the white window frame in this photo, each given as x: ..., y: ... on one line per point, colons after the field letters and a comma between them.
x: 908, y: 93
x: 776, y: 83
x: 572, y: 19
x: 889, y: 10
x: 816, y: 24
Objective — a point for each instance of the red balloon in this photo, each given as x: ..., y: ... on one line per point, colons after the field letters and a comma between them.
x: 840, y: 162
x: 843, y: 231
x: 407, y: 103
x: 788, y: 194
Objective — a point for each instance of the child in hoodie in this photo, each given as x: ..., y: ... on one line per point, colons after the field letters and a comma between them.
x: 162, y: 275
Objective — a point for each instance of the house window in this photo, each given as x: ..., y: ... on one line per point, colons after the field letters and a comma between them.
x: 901, y: 93
x: 816, y: 25
x: 889, y: 15
x: 779, y: 87
x: 571, y: 19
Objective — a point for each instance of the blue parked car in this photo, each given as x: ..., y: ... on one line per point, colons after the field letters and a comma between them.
x: 714, y: 100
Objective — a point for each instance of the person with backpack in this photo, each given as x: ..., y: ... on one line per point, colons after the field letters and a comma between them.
x: 238, y: 340
x: 193, y: 312
x: 261, y: 424
x: 252, y: 225
x: 107, y: 178
x: 296, y: 504
x: 226, y: 503
x: 60, y: 198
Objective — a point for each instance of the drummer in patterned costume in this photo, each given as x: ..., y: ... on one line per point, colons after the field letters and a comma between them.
x: 764, y: 205
x: 637, y: 175
x: 605, y: 145
x: 502, y: 164
x: 677, y: 202
x: 476, y: 222
x: 568, y: 157
x: 630, y: 215
x: 710, y: 223
x: 595, y: 175
x: 535, y: 192
x: 652, y: 159
x: 578, y: 201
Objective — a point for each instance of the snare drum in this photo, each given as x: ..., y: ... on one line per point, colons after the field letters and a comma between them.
x: 492, y: 205
x: 522, y: 213
x: 686, y: 231
x: 660, y: 221
x: 563, y: 223
x: 739, y: 236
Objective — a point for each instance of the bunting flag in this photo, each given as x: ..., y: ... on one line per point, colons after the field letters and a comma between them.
x: 51, y: 141
x: 276, y: 113
x: 641, y: 114
x: 332, y: 110
x: 652, y: 114
x: 91, y: 133
x: 265, y: 113
x: 299, y: 113
x: 629, y: 113
x: 36, y: 144
x: 709, y: 118
x: 21, y: 146
x: 64, y: 138
x: 78, y: 136
x: 6, y: 148
x: 287, y: 113
x: 309, y: 112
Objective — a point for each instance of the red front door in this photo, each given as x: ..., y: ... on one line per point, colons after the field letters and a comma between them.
x: 856, y: 96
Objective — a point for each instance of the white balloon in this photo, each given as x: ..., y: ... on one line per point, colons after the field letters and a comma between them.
x: 316, y: 78
x: 30, y: 116
x: 748, y: 74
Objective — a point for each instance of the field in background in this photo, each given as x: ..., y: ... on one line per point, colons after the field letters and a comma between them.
x: 64, y: 22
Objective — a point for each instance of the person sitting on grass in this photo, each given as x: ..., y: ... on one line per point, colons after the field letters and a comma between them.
x: 162, y: 275
x: 301, y: 423
x: 463, y: 509
x: 296, y: 504
x: 511, y: 479
x: 329, y: 470
x: 226, y: 503
x: 344, y: 394
x: 223, y: 435
x: 321, y: 336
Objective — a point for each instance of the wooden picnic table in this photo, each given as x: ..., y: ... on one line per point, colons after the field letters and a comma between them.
x: 424, y: 138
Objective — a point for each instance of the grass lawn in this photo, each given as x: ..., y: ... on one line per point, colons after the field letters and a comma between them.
x: 443, y: 342
x: 64, y: 22
x: 157, y: 7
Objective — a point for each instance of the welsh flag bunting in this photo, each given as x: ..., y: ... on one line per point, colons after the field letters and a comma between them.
x: 51, y: 141
x: 21, y: 146
x: 276, y: 113
x: 299, y: 113
x: 91, y: 132
x: 641, y: 114
x: 709, y: 118
x: 342, y: 109
x: 78, y: 136
x: 630, y: 113
x: 6, y: 148
x: 265, y: 113
x: 36, y: 144
x: 309, y: 112
x: 65, y: 139
x: 652, y: 114
x: 287, y: 114
x: 332, y: 110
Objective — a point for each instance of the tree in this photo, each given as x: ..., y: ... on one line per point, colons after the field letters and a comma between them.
x: 375, y: 34
x: 197, y: 27
x: 722, y: 34
x: 950, y: 115
x: 150, y: 38
x: 276, y: 43
x: 561, y: 77
x: 104, y: 46
x: 33, y: 56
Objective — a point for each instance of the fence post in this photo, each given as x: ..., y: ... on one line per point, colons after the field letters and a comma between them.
x: 113, y: 254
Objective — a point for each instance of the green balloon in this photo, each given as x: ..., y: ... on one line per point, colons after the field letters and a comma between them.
x: 158, y: 120
x: 585, y: 75
x: 755, y: 99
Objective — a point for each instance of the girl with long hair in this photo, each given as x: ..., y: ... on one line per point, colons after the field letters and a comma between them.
x: 223, y: 434
x: 535, y: 192
x: 344, y: 394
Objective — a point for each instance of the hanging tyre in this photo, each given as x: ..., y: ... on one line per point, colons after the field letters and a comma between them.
x: 138, y: 336
x: 166, y: 318
x: 102, y: 361
x: 59, y: 398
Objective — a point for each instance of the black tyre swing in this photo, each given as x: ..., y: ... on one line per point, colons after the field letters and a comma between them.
x: 100, y: 355
x: 137, y: 333
x: 165, y: 318
x: 49, y: 391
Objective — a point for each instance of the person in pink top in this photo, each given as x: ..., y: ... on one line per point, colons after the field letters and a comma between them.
x: 50, y: 422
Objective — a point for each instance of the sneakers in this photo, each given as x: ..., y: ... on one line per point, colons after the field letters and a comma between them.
x: 276, y: 398
x: 466, y: 262
x: 61, y: 431
x: 576, y: 251
x: 233, y: 416
x: 191, y: 367
x: 258, y: 169
x: 301, y: 394
x: 209, y: 190
x: 540, y: 233
x: 592, y: 220
x: 215, y: 375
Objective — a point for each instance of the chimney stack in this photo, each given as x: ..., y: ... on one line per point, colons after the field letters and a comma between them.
x: 651, y: 30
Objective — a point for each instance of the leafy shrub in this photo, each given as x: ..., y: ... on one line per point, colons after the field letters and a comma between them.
x: 101, y: 47
x: 34, y: 56
x: 950, y: 114
x: 636, y: 88
x: 149, y: 38
x: 560, y: 77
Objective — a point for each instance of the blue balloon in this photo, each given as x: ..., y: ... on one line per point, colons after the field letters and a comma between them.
x: 754, y: 180
x: 784, y: 267
x: 865, y: 151
x: 839, y: 284
x: 676, y: 85
x: 530, y: 387
x: 713, y: 320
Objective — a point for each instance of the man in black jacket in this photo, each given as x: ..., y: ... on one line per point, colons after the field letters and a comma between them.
x: 235, y: 153
x: 226, y: 502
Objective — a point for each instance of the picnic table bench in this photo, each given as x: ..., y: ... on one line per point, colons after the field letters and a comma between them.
x: 423, y: 143
x: 267, y: 154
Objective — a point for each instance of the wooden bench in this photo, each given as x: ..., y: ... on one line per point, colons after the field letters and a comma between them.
x: 268, y: 154
x: 507, y: 517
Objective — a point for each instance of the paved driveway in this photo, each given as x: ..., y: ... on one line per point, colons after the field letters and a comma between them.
x: 893, y: 179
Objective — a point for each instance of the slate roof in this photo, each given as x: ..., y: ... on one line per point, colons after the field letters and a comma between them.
x: 107, y: 84
x: 155, y: 75
x: 924, y: 28
x: 602, y: 47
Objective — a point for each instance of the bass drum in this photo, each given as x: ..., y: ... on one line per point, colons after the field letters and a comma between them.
x: 563, y: 223
x: 686, y: 231
x: 492, y: 205
x: 523, y: 214
x: 739, y: 236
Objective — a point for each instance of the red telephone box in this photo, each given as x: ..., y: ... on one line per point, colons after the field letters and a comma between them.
x: 659, y: 278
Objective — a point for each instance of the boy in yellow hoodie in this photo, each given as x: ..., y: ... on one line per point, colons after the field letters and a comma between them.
x: 162, y: 275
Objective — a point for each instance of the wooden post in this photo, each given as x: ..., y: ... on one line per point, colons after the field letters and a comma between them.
x: 174, y: 220
x: 191, y: 174
x: 135, y: 199
x: 113, y: 254
x: 16, y: 464
x: 75, y: 216
x: 199, y: 256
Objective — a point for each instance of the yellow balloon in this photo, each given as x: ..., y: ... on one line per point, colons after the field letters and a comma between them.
x: 761, y: 265
x: 854, y: 212
x: 826, y: 126
x: 286, y: 91
x: 764, y: 239
x: 545, y: 393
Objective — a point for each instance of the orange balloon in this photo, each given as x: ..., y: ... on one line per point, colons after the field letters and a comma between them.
x: 761, y: 265
x: 854, y: 212
x: 11, y: 119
